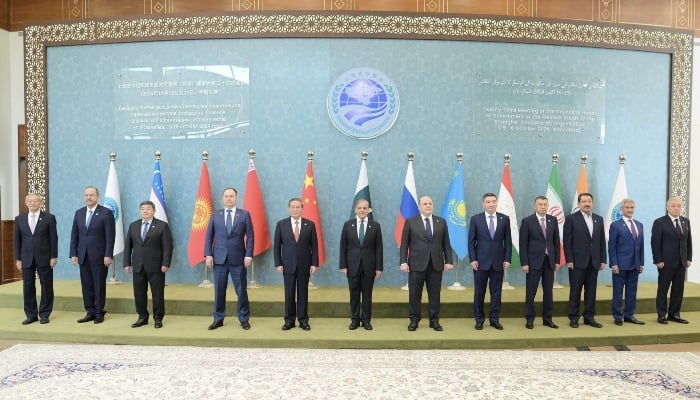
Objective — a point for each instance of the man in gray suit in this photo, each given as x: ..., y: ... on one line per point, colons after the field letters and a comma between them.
x: 424, y: 253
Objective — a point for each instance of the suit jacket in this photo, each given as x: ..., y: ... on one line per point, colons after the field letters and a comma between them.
x: 533, y: 242
x: 370, y: 253
x: 293, y: 255
x: 94, y: 243
x: 623, y: 250
x: 40, y: 246
x: 235, y: 246
x: 490, y: 252
x: 667, y: 247
x: 417, y: 251
x: 580, y: 246
x: 154, y: 251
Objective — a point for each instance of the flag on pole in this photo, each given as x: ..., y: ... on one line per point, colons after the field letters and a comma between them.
x: 362, y: 191
x: 253, y: 203
x: 203, y: 208
x: 556, y: 208
x: 506, y: 205
x: 619, y: 193
x: 310, y: 201
x: 581, y: 186
x: 455, y: 213
x: 409, y: 203
x: 157, y: 194
x: 114, y: 203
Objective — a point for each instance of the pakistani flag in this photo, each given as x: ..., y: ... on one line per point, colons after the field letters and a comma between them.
x: 362, y: 191
x: 506, y: 205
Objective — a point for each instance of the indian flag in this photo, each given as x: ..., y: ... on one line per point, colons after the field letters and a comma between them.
x: 506, y: 205
x: 581, y: 186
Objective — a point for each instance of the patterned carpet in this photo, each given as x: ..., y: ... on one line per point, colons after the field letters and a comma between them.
x: 38, y: 371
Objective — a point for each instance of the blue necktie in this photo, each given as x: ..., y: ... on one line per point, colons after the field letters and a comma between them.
x: 144, y: 231
x: 492, y: 228
x: 87, y: 224
x: 229, y: 222
x: 428, y: 230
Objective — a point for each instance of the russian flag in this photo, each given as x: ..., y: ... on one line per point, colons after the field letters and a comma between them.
x: 157, y: 194
x: 409, y: 203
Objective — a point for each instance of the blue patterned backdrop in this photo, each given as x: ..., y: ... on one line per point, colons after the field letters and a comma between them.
x: 289, y: 83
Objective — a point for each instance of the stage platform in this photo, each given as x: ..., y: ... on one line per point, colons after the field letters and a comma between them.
x: 189, y: 307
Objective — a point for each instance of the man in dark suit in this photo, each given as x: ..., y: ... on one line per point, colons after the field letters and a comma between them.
x: 92, y: 247
x: 36, y: 253
x: 672, y: 250
x: 361, y: 261
x: 147, y: 253
x: 626, y: 252
x: 490, y: 249
x: 424, y: 253
x: 584, y: 248
x: 296, y: 258
x: 539, y: 256
x: 228, y: 248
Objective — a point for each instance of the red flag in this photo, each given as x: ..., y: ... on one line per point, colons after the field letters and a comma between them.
x: 308, y: 196
x: 203, y: 207
x: 253, y: 203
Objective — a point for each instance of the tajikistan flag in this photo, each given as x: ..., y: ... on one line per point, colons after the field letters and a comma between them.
x: 506, y: 205
x: 362, y: 190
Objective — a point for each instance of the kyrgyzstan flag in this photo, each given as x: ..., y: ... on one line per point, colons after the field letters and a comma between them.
x: 308, y: 196
x: 203, y: 208
x: 253, y: 203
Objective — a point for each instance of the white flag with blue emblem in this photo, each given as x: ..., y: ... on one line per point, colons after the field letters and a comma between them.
x: 619, y: 193
x: 112, y: 200
x: 158, y: 195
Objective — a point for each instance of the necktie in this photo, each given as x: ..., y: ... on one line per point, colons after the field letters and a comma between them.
x: 633, y: 229
x: 32, y: 222
x: 589, y: 223
x: 544, y: 232
x: 362, y: 231
x: 89, y: 218
x: 229, y: 222
x: 428, y: 229
x: 296, y: 231
x: 492, y: 227
x: 679, y: 232
x: 144, y: 231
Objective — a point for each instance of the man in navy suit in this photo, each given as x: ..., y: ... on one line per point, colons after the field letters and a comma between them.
x: 36, y: 253
x: 539, y: 256
x: 424, y: 253
x: 361, y: 261
x: 296, y: 258
x: 228, y: 248
x: 584, y: 248
x: 147, y: 253
x: 92, y: 247
x: 626, y: 253
x: 490, y: 248
x: 672, y: 250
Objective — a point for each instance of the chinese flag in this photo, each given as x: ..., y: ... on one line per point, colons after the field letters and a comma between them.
x: 308, y: 196
x: 203, y: 207
x: 253, y: 203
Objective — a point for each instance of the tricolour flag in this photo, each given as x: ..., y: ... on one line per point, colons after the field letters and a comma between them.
x: 308, y: 196
x: 581, y: 186
x: 362, y: 191
x: 409, y: 203
x: 455, y: 213
x: 506, y: 205
x: 203, y: 208
x: 113, y: 202
x: 253, y: 203
x: 619, y: 193
x: 157, y: 194
x: 556, y: 208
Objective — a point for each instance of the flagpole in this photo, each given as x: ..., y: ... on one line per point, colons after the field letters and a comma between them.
x: 253, y: 284
x: 506, y: 285
x: 113, y: 280
x: 206, y: 283
x: 312, y: 286
x: 410, y: 155
x: 557, y: 285
x: 456, y: 285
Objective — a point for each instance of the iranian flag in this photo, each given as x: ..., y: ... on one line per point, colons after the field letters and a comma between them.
x: 556, y: 207
x: 506, y: 205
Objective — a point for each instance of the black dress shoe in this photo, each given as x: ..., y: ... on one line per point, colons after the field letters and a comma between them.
x: 496, y: 325
x: 618, y: 322
x: 44, y: 320
x: 550, y: 324
x: 30, y: 321
x: 634, y: 320
x: 367, y: 326
x: 86, y: 318
x: 436, y: 326
x: 354, y: 325
x: 573, y: 324
x: 529, y: 324
x: 287, y: 326
x: 479, y: 325
x: 216, y: 324
x: 158, y: 324
x: 662, y: 320
x: 245, y: 325
x: 139, y: 322
x: 678, y: 319
x: 99, y: 320
x: 305, y: 326
x: 412, y: 326
x: 593, y: 323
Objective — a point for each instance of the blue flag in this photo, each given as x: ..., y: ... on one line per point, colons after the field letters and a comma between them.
x: 455, y: 213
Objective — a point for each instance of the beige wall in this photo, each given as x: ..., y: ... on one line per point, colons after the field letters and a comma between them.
x: 11, y: 115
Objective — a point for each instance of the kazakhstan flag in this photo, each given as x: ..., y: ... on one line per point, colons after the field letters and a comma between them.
x: 455, y: 213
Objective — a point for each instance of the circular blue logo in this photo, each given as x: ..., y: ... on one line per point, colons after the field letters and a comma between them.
x: 616, y: 212
x: 113, y: 206
x: 363, y: 103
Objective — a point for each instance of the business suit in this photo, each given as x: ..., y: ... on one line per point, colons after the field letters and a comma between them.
x: 146, y: 257
x: 490, y: 254
x: 586, y: 251
x: 426, y: 258
x: 676, y: 253
x: 540, y: 251
x: 229, y: 250
x: 626, y: 253
x: 362, y: 261
x: 34, y: 252
x: 296, y: 259
x: 91, y: 245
